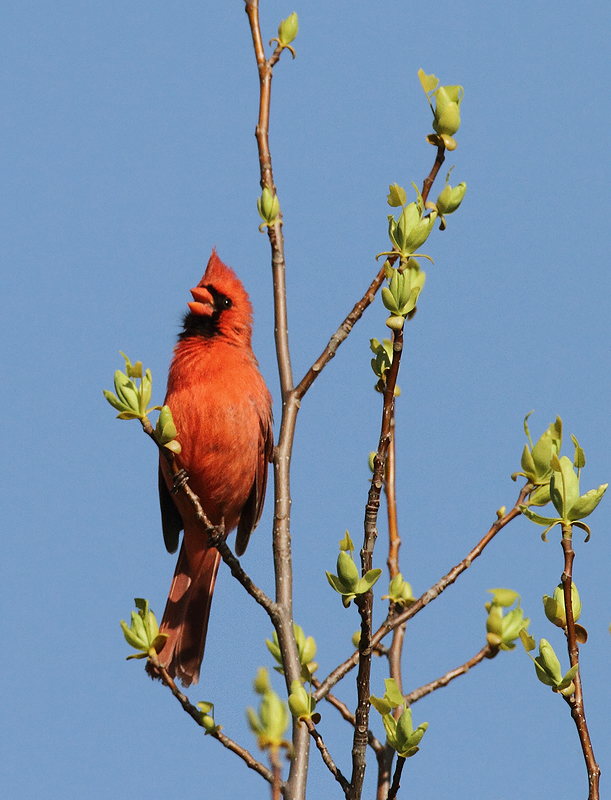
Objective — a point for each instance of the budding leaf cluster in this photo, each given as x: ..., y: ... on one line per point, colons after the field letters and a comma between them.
x: 381, y: 363
x: 400, y: 733
x: 548, y: 669
x: 302, y: 704
x: 207, y: 717
x: 400, y: 592
x: 449, y: 200
x: 412, y: 228
x: 446, y: 111
x: 348, y: 582
x: 270, y: 722
x: 502, y: 630
x: 306, y: 650
x: 143, y: 632
x: 564, y: 492
x: 130, y: 398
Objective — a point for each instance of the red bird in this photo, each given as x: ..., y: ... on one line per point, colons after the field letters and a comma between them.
x: 222, y: 411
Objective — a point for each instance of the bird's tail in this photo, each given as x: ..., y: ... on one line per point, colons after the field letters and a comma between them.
x: 185, y: 618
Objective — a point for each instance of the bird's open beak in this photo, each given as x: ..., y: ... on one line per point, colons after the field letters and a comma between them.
x: 204, y: 302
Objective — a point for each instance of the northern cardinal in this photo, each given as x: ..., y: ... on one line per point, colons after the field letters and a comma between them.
x: 222, y: 411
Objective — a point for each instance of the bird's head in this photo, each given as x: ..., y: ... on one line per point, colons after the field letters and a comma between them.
x: 220, y: 305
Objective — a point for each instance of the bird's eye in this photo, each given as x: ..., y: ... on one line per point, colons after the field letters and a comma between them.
x: 226, y: 302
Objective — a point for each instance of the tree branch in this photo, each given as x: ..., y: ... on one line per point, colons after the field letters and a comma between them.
x: 576, y: 700
x: 195, y: 714
x: 442, y: 584
x: 418, y: 694
x: 396, y: 781
x: 296, y: 784
x: 326, y: 756
x: 365, y: 602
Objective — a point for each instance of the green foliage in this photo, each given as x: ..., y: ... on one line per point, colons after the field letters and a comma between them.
x: 348, y: 582
x: 302, y: 704
x: 131, y: 400
x: 555, y: 607
x: 306, y: 650
x: 555, y: 610
x: 287, y: 32
x: 399, y: 592
x: 381, y: 363
x: 564, y: 493
x: 143, y: 632
x: 271, y: 721
x: 536, y: 460
x: 412, y: 228
x: 446, y: 111
x: 269, y: 209
x: 449, y: 200
x: 207, y: 717
x: 503, y: 629
x: 400, y: 733
x: 548, y: 669
x: 165, y: 430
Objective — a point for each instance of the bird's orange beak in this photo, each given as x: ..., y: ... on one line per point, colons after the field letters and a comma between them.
x: 204, y: 302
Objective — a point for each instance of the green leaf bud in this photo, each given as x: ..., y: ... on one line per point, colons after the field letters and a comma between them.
x: 447, y: 112
x: 165, y: 430
x: 555, y: 607
x: 301, y: 704
x: 274, y: 718
x: 261, y: 682
x: 547, y: 665
x: 269, y: 208
x: 347, y: 571
x: 288, y: 30
x: 450, y: 198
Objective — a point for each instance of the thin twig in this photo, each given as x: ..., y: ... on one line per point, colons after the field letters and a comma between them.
x: 195, y: 714
x: 365, y: 602
x: 395, y: 651
x: 430, y: 179
x: 340, y: 335
x: 442, y: 584
x: 274, y: 757
x: 396, y: 781
x: 576, y: 700
x: 422, y: 691
x: 326, y: 756
x: 296, y: 784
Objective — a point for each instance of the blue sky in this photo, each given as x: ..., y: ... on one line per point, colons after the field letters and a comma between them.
x: 127, y: 152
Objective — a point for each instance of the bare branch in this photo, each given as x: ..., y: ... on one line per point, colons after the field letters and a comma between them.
x: 195, y: 714
x: 396, y: 781
x: 486, y: 652
x: 326, y: 757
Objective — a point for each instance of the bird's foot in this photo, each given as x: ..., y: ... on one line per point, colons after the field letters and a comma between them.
x: 179, y: 480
